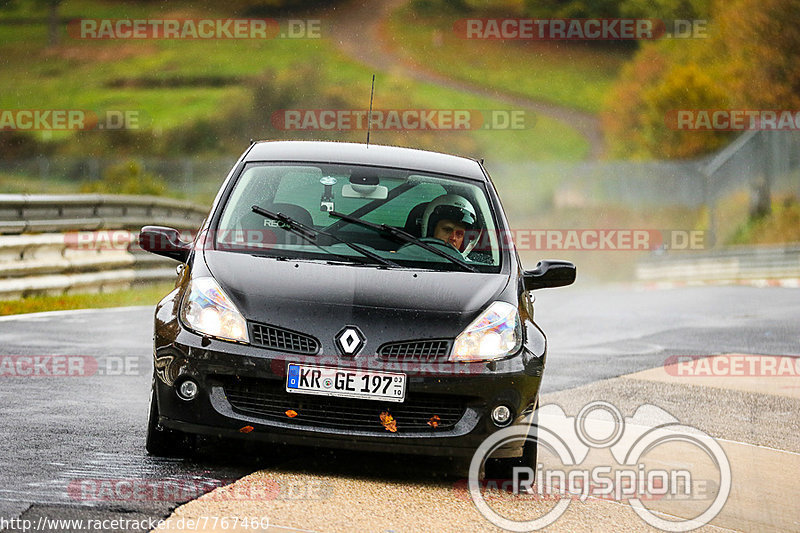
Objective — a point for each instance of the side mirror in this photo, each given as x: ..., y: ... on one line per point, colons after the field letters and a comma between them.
x: 548, y: 274
x: 164, y: 241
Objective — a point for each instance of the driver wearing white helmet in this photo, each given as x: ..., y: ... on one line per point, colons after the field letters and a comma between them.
x: 447, y: 218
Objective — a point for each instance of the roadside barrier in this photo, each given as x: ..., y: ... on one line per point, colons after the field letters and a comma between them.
x: 58, y: 244
x: 734, y: 264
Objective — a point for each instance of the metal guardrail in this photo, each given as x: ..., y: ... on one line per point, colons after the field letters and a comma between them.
x: 745, y: 263
x: 51, y: 244
x: 23, y: 213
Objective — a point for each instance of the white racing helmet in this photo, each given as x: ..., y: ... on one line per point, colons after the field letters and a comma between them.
x: 447, y: 207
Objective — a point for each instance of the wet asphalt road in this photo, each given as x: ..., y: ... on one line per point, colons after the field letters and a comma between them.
x: 60, y: 435
x: 600, y: 333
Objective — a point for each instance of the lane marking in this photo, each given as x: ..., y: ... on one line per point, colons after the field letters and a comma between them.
x: 660, y: 513
x: 47, y: 314
x: 729, y: 378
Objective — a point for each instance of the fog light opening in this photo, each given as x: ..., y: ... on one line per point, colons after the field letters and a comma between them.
x: 501, y: 416
x: 188, y: 390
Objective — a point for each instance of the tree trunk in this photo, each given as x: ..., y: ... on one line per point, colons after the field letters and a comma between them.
x: 760, y: 199
x: 53, y: 33
x: 761, y: 186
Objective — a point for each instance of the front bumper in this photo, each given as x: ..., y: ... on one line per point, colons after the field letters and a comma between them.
x: 219, y: 368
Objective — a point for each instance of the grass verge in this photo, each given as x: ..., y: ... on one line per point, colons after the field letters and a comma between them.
x: 143, y: 295
x: 780, y: 226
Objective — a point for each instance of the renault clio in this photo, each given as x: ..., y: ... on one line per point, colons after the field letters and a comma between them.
x: 352, y: 296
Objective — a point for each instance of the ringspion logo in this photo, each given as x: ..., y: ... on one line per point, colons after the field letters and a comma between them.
x: 640, y: 466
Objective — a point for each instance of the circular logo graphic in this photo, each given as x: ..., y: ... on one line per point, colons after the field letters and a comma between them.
x: 599, y: 425
x: 590, y: 436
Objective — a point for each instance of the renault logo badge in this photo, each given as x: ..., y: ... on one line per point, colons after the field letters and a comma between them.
x: 350, y: 341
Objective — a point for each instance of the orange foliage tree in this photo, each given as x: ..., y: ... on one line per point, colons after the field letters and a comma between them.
x: 751, y: 59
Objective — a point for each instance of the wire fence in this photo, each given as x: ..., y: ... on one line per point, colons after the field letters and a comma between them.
x: 755, y: 163
x: 194, y: 178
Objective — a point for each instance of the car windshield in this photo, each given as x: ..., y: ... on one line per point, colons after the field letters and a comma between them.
x: 438, y: 214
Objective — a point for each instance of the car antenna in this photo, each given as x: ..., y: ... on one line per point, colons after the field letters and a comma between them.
x: 369, y: 117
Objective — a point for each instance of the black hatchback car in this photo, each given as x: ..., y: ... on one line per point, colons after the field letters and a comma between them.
x: 352, y: 296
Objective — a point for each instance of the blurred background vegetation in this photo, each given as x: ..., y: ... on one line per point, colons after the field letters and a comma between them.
x: 200, y: 102
x: 201, y: 96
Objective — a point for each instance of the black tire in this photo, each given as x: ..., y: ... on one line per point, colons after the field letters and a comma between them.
x: 164, y: 442
x: 504, y: 468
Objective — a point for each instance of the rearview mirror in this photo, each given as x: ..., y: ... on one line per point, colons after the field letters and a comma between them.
x: 365, y: 186
x: 164, y: 241
x: 549, y: 273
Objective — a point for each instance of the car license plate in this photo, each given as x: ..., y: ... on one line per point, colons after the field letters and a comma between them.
x: 333, y: 381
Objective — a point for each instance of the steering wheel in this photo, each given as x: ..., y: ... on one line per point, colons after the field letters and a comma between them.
x: 433, y: 241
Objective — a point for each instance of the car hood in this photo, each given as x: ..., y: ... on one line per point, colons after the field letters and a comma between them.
x: 305, y: 294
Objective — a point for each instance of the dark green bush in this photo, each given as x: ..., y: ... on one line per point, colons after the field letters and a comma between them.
x: 126, y: 178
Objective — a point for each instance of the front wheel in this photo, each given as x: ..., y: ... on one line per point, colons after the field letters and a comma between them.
x: 164, y: 442
x: 496, y: 468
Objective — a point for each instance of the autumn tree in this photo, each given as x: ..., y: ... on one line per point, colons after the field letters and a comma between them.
x: 751, y: 59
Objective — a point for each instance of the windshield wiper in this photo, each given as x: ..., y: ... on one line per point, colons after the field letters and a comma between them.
x: 310, y: 235
x: 403, y: 236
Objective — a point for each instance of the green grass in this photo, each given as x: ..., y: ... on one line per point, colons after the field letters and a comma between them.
x: 145, y: 295
x: 572, y: 74
x: 81, y: 75
x: 25, y: 184
x: 547, y: 139
x: 781, y: 225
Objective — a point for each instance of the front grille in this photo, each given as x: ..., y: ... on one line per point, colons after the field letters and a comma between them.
x: 429, y: 350
x: 283, y: 340
x: 267, y: 399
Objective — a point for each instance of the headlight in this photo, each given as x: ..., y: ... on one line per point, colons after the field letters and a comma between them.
x: 207, y: 309
x: 495, y: 334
